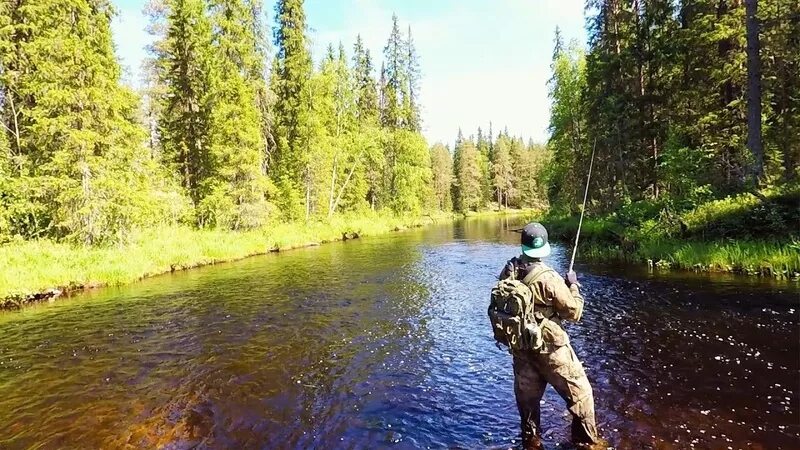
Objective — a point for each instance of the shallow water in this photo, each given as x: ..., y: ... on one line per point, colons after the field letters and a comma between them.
x: 384, y: 342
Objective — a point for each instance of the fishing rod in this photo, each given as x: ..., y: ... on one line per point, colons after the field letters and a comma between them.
x: 583, y: 209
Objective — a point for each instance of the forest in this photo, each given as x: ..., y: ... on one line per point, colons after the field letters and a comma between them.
x: 692, y: 111
x: 690, y: 107
x: 220, y: 137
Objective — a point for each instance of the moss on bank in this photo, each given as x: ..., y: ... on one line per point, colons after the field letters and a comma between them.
x: 42, y: 269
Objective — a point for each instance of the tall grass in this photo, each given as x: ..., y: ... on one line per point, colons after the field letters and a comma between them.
x: 30, y: 267
x: 736, y: 234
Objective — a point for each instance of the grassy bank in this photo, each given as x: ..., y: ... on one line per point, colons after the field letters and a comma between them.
x: 39, y: 270
x: 36, y: 270
x: 756, y: 235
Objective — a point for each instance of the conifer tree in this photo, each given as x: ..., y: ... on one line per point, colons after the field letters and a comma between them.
x: 236, y: 185
x: 411, y: 114
x: 291, y: 73
x: 779, y: 22
x: 567, y: 121
x: 502, y: 172
x: 366, y: 94
x: 185, y: 68
x: 442, y: 167
x: 80, y: 165
x: 485, y: 162
x: 467, y: 175
x: 394, y: 78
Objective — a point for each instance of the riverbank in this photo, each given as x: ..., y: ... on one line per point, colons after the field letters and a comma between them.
x: 33, y: 271
x: 40, y: 270
x: 748, y: 234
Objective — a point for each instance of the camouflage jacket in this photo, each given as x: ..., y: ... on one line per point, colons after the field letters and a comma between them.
x: 559, y: 301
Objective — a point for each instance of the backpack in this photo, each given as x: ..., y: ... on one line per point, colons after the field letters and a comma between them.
x: 511, y: 312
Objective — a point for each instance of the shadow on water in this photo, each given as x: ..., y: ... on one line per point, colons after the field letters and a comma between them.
x: 385, y: 342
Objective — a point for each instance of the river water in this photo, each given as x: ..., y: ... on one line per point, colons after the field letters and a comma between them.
x: 384, y: 342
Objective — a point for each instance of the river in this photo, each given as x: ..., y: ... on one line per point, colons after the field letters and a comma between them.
x: 384, y: 342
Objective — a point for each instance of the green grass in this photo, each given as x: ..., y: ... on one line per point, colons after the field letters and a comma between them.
x: 501, y: 212
x: 776, y: 259
x: 31, y: 267
x: 740, y: 233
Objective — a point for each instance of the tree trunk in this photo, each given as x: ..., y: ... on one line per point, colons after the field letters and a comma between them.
x: 754, y: 142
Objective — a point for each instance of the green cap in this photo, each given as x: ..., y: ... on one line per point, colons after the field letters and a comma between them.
x: 534, y: 241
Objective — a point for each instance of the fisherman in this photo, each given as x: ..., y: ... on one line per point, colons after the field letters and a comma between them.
x: 554, y: 362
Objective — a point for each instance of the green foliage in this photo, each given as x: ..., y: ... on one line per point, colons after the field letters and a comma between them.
x: 76, y: 150
x: 530, y: 174
x: 741, y: 233
x: 400, y: 81
x: 468, y: 192
x: 365, y: 90
x: 442, y: 171
x: 291, y: 73
x: 184, y: 61
x: 662, y: 92
x: 503, y: 179
x: 568, y: 139
x: 410, y: 176
x: 33, y: 266
x: 237, y: 186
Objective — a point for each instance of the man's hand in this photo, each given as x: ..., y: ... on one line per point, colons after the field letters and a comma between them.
x: 571, y: 278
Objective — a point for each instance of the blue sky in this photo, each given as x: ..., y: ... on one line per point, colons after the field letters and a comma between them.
x: 481, y: 60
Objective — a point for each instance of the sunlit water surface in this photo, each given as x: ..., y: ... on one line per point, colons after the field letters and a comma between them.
x: 384, y: 342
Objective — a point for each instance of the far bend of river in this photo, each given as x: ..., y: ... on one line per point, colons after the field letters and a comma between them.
x: 384, y: 343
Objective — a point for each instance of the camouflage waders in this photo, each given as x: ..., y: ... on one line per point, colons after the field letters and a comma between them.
x: 533, y: 371
x: 556, y: 363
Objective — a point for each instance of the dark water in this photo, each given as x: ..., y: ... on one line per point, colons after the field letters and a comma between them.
x: 384, y: 342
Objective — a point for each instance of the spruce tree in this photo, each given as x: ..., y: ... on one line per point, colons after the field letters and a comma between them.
x: 467, y: 175
x: 365, y: 91
x: 780, y: 31
x: 442, y: 168
x: 236, y: 184
x: 76, y: 144
x: 394, y: 77
x: 185, y: 67
x: 411, y: 115
x: 502, y: 172
x: 291, y: 73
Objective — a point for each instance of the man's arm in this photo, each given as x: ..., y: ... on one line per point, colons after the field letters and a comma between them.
x: 567, y: 301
